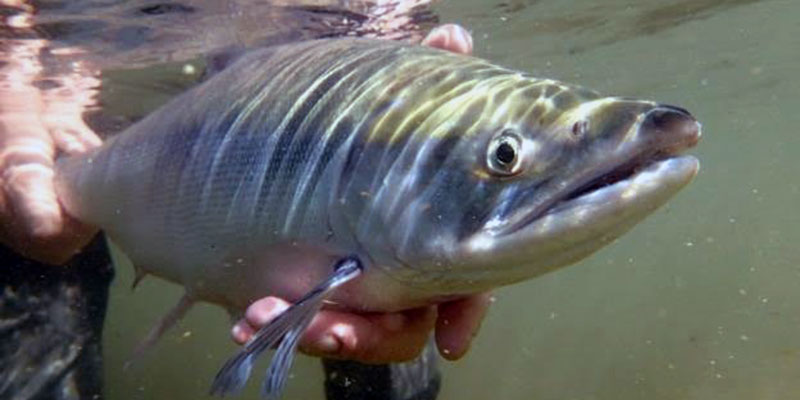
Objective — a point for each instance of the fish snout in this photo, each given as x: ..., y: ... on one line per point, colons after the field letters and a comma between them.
x: 674, y: 129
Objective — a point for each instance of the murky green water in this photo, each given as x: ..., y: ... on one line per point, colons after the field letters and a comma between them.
x: 701, y: 301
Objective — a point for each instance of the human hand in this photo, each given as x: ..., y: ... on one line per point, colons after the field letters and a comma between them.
x: 377, y: 338
x: 384, y: 337
x: 34, y: 127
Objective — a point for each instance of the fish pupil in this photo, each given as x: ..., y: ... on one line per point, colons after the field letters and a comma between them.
x: 505, y: 154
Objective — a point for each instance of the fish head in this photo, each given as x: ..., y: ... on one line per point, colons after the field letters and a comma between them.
x: 528, y: 194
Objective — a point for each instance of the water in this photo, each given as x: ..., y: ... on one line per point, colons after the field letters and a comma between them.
x: 698, y: 302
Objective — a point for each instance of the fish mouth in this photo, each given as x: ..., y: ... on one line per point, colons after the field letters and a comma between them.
x: 664, y: 134
x: 579, y: 222
x: 620, y: 175
x: 630, y: 180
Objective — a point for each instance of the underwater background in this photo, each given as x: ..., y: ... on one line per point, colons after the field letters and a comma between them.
x: 700, y: 301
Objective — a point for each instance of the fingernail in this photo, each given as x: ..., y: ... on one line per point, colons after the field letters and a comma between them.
x: 265, y: 310
x: 465, y: 38
x: 237, y: 333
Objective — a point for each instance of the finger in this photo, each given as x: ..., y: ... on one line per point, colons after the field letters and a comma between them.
x: 242, y: 331
x: 457, y: 324
x: 450, y: 37
x: 369, y: 338
x: 72, y: 129
x: 71, y: 135
x: 64, y: 109
x: 265, y: 310
x: 33, y: 222
x: 87, y: 136
x: 258, y: 314
x: 41, y: 230
x: 68, y: 142
x: 27, y: 177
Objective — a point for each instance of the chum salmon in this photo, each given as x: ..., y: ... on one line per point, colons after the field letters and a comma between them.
x: 371, y: 175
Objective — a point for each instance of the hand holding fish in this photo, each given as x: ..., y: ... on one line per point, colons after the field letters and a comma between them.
x: 377, y: 337
x: 34, y: 127
x: 384, y: 337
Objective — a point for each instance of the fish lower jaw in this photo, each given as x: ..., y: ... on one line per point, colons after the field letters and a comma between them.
x: 636, y: 190
x: 575, y: 228
x: 601, y: 212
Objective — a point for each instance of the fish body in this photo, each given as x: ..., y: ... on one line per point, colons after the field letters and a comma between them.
x: 442, y: 174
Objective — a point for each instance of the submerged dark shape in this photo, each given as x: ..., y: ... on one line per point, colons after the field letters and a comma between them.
x: 53, y: 317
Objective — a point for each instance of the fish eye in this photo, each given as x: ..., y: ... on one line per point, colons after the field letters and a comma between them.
x: 503, y: 156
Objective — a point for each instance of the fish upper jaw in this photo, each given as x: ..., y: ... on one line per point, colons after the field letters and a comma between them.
x: 663, y: 133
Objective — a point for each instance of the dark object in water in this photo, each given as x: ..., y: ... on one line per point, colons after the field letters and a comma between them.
x: 51, y: 321
x: 416, y: 380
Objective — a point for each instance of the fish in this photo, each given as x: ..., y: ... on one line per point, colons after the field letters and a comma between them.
x: 371, y: 175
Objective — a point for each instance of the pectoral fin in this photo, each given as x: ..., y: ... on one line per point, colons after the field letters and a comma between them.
x: 285, y: 329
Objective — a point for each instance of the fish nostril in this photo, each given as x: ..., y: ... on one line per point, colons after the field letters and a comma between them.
x: 672, y: 125
x: 675, y: 109
x: 669, y: 118
x: 580, y: 128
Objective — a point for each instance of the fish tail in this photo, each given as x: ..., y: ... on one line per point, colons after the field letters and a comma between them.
x: 285, y: 329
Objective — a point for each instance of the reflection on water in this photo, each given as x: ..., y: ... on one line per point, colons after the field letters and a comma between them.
x: 698, y: 302
x: 149, y: 51
x: 138, y: 33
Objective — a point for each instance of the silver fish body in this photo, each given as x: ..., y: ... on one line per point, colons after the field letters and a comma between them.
x: 443, y: 174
